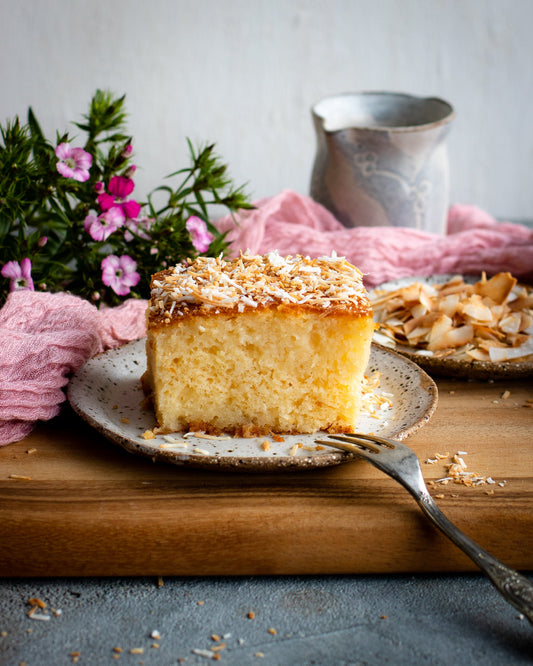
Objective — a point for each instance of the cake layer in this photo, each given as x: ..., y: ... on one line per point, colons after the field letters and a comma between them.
x: 281, y: 371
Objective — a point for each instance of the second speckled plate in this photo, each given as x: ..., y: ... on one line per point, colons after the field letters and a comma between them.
x: 106, y: 393
x: 450, y: 366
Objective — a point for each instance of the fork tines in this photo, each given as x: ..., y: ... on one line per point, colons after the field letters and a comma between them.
x: 371, y: 443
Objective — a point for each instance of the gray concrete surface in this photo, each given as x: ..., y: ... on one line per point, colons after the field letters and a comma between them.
x: 297, y: 620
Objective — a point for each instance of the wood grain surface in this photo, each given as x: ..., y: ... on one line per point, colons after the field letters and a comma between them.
x: 74, y: 504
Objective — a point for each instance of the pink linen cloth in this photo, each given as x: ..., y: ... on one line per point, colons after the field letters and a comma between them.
x: 295, y: 224
x: 45, y: 337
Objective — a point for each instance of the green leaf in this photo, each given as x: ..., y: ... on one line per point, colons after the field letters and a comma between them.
x: 34, y: 126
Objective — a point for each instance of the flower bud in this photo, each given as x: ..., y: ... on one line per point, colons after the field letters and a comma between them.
x: 127, y: 151
x: 130, y: 171
x: 99, y: 187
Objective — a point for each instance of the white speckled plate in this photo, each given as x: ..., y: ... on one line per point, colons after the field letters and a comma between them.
x: 106, y: 393
x: 451, y: 366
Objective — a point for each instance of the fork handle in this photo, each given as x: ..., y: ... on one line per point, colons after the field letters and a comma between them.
x: 513, y: 586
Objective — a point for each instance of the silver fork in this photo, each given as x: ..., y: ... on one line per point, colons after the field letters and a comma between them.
x: 399, y: 462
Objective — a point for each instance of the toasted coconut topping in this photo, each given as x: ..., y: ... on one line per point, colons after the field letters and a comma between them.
x: 456, y: 472
x: 491, y: 320
x: 212, y: 284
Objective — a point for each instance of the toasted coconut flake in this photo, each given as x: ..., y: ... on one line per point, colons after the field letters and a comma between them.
x: 174, y: 445
x: 448, y: 305
x: 418, y: 310
x: 512, y: 323
x: 203, y: 435
x: 497, y: 288
x: 498, y: 354
x: 457, y: 337
x: 35, y: 601
x: 441, y: 327
x: 205, y: 653
x: 474, y: 308
x: 478, y: 355
x: 39, y: 616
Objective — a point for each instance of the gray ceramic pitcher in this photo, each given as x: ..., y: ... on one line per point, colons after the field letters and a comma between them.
x: 382, y: 159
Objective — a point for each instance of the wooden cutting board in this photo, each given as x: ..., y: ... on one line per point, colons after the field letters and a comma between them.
x: 86, y: 507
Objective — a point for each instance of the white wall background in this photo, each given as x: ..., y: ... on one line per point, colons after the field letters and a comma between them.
x: 244, y: 73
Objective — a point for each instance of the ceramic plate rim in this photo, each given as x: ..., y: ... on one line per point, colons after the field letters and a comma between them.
x: 453, y: 367
x: 117, y: 432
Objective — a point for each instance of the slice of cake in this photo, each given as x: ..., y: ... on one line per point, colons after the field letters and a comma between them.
x: 258, y: 344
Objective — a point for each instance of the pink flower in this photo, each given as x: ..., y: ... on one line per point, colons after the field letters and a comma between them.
x: 73, y: 162
x: 120, y: 188
x: 102, y: 226
x: 119, y: 273
x: 200, y: 237
x: 140, y: 226
x: 19, y: 274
